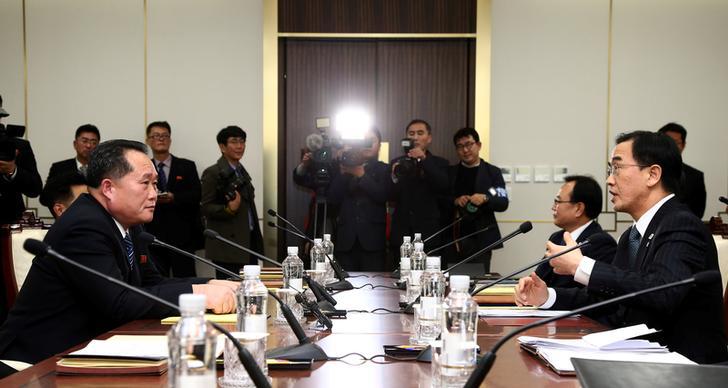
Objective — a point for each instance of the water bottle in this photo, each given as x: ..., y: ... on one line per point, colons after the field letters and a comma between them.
x: 318, y: 256
x: 293, y: 270
x: 459, y: 330
x: 432, y: 295
x: 417, y: 266
x: 192, y: 346
x: 252, y: 302
x: 329, y: 249
x: 418, y: 238
x: 404, y: 274
x: 405, y: 250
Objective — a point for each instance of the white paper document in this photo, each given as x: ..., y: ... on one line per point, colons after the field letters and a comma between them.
x: 560, y: 359
x: 517, y: 312
x: 132, y: 346
x: 611, y: 340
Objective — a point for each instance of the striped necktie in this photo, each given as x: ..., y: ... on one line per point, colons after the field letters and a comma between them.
x: 634, y: 245
x: 129, y: 245
x: 162, y: 179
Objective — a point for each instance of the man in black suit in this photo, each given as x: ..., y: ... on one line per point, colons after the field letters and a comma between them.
x: 59, y: 305
x: 86, y: 139
x: 692, y: 182
x: 575, y: 210
x: 177, y: 214
x: 61, y: 191
x: 477, y: 192
x: 419, y: 180
x: 360, y: 194
x: 666, y: 243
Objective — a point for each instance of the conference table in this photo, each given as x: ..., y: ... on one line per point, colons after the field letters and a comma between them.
x: 360, y: 332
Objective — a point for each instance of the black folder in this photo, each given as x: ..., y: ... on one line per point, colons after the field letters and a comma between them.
x: 619, y: 374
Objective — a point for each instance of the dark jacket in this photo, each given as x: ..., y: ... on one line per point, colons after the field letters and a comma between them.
x: 26, y: 182
x: 60, y: 306
x: 63, y: 167
x: 601, y: 248
x: 675, y: 246
x: 692, y: 190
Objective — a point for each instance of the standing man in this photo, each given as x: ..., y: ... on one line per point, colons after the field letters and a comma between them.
x: 575, y: 210
x: 666, y: 243
x: 692, y: 183
x: 419, y: 179
x: 87, y: 138
x: 228, y: 203
x: 478, y: 191
x: 61, y: 305
x: 360, y: 193
x: 177, y: 214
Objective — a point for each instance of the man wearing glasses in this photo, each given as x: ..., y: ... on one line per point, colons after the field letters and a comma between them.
x: 177, y: 214
x: 575, y: 210
x: 477, y: 192
x: 666, y: 243
x: 86, y: 140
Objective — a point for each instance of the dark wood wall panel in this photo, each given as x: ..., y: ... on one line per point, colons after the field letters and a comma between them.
x: 377, y: 16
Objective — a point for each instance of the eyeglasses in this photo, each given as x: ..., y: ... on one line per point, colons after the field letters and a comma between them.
x: 467, y: 145
x: 558, y: 202
x: 613, y: 169
x: 234, y: 140
x: 86, y: 140
x: 159, y: 136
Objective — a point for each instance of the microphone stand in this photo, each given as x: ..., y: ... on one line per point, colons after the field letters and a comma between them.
x: 39, y: 248
x: 523, y: 228
x: 460, y: 239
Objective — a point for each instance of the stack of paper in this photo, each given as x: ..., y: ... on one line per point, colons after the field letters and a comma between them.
x: 498, y: 294
x: 608, y: 345
x: 509, y: 311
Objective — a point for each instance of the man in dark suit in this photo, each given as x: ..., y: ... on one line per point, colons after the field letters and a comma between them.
x: 86, y: 139
x: 59, y: 305
x: 667, y: 243
x: 477, y: 192
x: 61, y: 191
x: 575, y: 210
x: 360, y: 193
x: 692, y: 182
x: 177, y: 214
x: 228, y: 203
x: 419, y: 180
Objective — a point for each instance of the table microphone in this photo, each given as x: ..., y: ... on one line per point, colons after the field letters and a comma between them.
x: 318, y: 290
x: 342, y: 284
x: 723, y: 199
x: 534, y: 264
x: 523, y: 228
x: 273, y: 213
x: 40, y: 248
x: 443, y: 229
x: 486, y: 362
x: 460, y: 239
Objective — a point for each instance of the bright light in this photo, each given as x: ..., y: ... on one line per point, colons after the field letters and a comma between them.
x: 352, y: 123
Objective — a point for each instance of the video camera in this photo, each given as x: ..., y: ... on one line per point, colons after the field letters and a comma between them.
x: 407, y: 166
x: 7, y: 142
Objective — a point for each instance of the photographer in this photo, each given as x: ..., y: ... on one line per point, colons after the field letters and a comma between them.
x: 419, y: 179
x: 360, y: 192
x: 18, y: 172
x: 228, y: 203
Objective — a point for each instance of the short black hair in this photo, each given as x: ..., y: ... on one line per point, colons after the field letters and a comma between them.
x: 650, y: 148
x: 58, y: 188
x: 230, y: 131
x: 418, y: 121
x: 587, y: 191
x: 465, y: 132
x: 161, y: 124
x: 90, y: 128
x: 674, y: 127
x: 108, y: 160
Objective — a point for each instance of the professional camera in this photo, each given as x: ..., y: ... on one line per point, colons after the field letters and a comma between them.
x: 7, y: 143
x: 407, y: 166
x: 230, y: 183
x: 322, y: 148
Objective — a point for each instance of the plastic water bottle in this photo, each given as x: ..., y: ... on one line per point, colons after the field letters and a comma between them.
x: 329, y: 249
x: 459, y: 330
x: 318, y: 256
x: 433, y: 292
x: 252, y: 302
x: 192, y: 346
x: 405, y: 250
x: 293, y: 270
x: 404, y: 274
x: 418, y: 238
x: 417, y: 266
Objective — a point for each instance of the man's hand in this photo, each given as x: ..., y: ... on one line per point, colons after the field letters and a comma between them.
x: 227, y: 283
x: 462, y: 200
x: 568, y: 263
x: 417, y: 153
x: 165, y: 197
x: 7, y: 168
x: 234, y: 205
x: 219, y: 298
x: 531, y: 291
x: 306, y: 159
x: 478, y: 199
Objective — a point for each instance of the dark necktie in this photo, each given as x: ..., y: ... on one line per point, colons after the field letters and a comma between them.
x: 634, y: 245
x: 162, y: 180
x: 129, y: 245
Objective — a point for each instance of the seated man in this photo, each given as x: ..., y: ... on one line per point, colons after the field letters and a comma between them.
x: 61, y: 190
x: 576, y: 207
x: 60, y: 305
x: 667, y: 243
